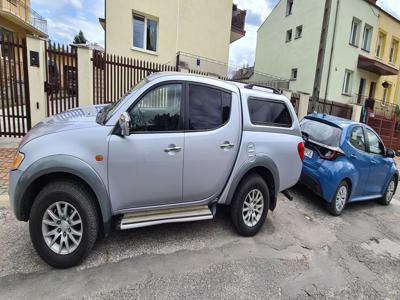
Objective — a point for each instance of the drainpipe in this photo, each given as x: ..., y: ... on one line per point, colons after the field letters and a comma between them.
x: 331, y: 54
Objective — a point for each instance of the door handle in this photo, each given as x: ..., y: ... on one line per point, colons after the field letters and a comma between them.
x: 227, y: 145
x: 172, y: 148
x: 373, y: 162
x: 353, y: 156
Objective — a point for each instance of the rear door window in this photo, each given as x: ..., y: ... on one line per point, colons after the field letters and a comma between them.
x: 269, y: 113
x: 321, y: 133
x: 209, y: 108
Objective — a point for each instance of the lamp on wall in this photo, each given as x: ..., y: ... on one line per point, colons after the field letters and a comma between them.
x: 385, y: 84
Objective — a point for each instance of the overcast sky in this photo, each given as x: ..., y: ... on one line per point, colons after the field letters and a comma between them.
x: 67, y: 17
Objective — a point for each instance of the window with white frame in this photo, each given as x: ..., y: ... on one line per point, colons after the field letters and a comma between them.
x: 289, y: 7
x: 355, y: 32
x: 289, y: 35
x: 367, y: 38
x: 394, y: 49
x: 145, y: 31
x: 299, y: 32
x: 380, y: 47
x: 347, y: 83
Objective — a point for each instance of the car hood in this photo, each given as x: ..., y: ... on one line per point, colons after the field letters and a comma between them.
x: 73, y: 119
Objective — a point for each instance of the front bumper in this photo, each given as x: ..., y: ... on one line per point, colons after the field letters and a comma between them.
x: 16, y: 205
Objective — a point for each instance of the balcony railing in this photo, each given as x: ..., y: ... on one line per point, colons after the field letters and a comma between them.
x: 23, y: 11
x: 376, y: 106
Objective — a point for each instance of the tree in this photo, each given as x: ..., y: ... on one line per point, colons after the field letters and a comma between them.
x: 80, y: 38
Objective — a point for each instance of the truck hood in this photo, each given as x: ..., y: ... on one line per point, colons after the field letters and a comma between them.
x: 73, y: 119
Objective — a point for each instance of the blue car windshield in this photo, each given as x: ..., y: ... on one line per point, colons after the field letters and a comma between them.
x: 321, y: 133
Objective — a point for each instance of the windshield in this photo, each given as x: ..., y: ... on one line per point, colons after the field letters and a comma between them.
x: 108, y: 111
x: 321, y: 133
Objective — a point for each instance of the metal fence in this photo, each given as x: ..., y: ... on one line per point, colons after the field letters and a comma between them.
x: 114, y: 75
x: 61, y: 78
x: 332, y: 108
x: 15, y: 119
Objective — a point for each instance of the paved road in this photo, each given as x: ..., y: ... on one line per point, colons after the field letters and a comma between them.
x: 301, y: 252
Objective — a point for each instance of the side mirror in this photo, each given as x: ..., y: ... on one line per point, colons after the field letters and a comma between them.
x: 390, y: 153
x: 125, y: 124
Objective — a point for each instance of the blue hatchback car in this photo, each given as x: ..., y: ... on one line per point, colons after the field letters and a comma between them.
x: 346, y: 161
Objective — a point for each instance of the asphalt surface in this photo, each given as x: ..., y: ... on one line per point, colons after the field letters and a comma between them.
x: 301, y: 252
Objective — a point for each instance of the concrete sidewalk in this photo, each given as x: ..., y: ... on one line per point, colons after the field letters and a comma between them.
x: 4, y: 201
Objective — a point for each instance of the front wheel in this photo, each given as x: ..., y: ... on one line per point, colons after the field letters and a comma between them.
x: 389, y: 193
x: 250, y: 205
x: 336, y: 206
x: 63, y: 223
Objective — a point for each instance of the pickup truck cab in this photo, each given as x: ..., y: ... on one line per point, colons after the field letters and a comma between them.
x: 170, y: 150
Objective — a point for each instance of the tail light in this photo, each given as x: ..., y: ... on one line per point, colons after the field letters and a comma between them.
x: 300, y: 149
x: 331, y: 155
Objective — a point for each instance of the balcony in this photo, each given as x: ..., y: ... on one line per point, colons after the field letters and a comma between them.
x: 21, y: 14
x: 238, y: 23
x: 376, y: 66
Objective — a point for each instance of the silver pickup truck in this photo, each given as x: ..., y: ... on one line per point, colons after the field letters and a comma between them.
x: 171, y: 150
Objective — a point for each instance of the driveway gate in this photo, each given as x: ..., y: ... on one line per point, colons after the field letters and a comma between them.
x: 15, y: 118
x: 61, y: 78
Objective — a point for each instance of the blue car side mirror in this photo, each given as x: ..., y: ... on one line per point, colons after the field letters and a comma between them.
x: 390, y: 153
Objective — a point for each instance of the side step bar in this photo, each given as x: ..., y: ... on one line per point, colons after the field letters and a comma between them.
x: 175, y: 215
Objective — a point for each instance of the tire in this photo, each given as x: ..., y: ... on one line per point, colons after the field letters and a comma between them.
x: 389, y: 193
x: 339, y: 200
x: 60, y: 196
x: 254, y: 184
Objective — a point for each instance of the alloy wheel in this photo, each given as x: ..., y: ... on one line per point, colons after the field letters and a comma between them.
x: 253, y: 207
x: 62, y: 227
x: 390, y: 191
x: 341, y: 198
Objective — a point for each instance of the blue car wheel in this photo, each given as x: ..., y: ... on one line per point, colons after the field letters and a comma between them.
x: 336, y: 206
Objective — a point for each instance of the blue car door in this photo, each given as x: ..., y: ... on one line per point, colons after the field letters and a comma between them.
x: 357, y: 153
x: 379, y: 166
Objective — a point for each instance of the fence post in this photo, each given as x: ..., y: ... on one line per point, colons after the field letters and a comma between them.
x: 356, y: 114
x: 37, y: 78
x: 85, y: 75
x: 303, y: 105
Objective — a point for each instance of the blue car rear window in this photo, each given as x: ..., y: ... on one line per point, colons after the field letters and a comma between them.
x: 322, y: 133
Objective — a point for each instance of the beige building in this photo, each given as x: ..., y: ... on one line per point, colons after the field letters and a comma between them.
x: 17, y: 17
x: 189, y: 33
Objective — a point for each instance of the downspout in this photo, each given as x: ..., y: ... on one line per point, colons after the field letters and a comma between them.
x: 177, y: 36
x: 331, y: 54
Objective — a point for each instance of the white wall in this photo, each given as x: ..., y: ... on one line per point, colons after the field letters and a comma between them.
x: 276, y: 57
x: 345, y: 56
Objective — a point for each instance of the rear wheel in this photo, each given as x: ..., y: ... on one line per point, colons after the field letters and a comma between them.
x: 250, y: 205
x: 389, y: 193
x: 336, y: 206
x: 63, y: 223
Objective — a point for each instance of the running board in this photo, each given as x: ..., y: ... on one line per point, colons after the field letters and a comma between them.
x: 156, y: 217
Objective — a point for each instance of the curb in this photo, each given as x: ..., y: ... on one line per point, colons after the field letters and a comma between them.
x: 4, y: 201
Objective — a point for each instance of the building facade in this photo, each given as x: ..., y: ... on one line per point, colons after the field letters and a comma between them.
x: 18, y: 18
x: 329, y: 49
x: 189, y: 33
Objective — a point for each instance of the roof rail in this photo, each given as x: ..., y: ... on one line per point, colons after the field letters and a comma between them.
x: 251, y: 85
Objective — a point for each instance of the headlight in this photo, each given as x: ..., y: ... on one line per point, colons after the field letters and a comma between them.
x: 19, y: 157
